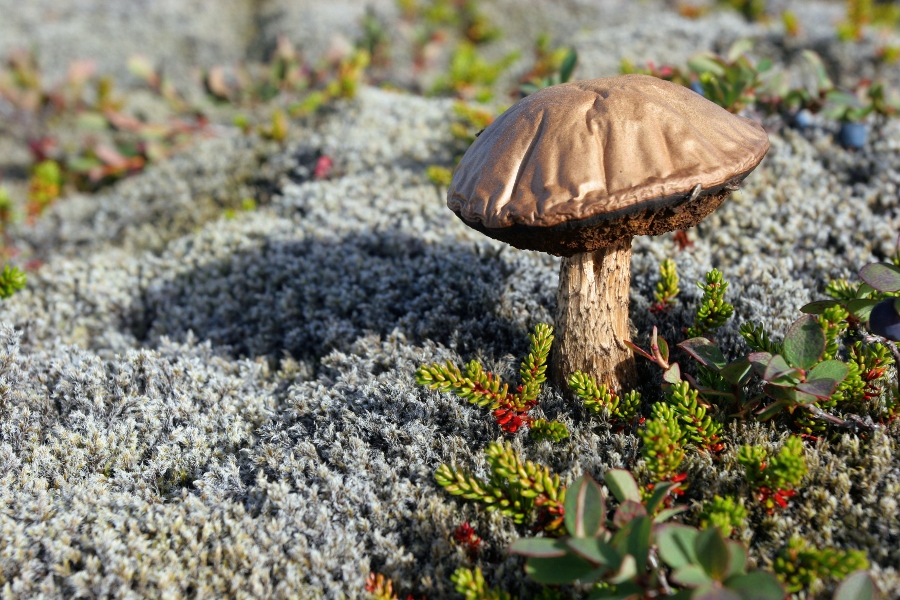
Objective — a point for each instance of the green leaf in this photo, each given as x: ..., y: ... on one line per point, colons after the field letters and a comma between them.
x: 828, y: 369
x: 676, y: 545
x: 626, y: 511
x: 706, y: 352
x: 667, y: 513
x: 627, y: 570
x: 660, y: 491
x: 759, y: 361
x: 757, y: 585
x: 779, y: 372
x: 861, y: 308
x: 821, y: 388
x: 622, y: 485
x: 864, y: 291
x: 663, y: 348
x: 804, y: 343
x: 568, y: 66
x: 771, y: 410
x: 884, y: 277
x: 558, y: 571
x: 737, y: 557
x: 737, y: 372
x: 858, y: 586
x: 585, y: 508
x: 818, y: 307
x: 690, y: 576
x: 634, y: 539
x: 538, y: 547
x: 712, y: 553
x: 596, y: 551
x: 672, y: 374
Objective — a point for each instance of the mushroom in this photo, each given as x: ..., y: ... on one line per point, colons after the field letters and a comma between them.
x: 577, y: 170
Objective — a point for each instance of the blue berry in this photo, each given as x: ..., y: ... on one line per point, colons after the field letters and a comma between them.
x: 885, y: 321
x: 698, y: 87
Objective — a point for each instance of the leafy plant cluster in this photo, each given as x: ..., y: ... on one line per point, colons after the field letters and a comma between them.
x: 735, y: 82
x: 509, y: 408
x: 832, y: 361
x: 111, y: 143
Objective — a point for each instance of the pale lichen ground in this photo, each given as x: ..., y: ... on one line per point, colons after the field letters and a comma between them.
x: 194, y: 406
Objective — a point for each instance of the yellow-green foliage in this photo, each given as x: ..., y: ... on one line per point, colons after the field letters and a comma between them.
x: 471, y: 584
x: 726, y: 513
x: 515, y: 487
x: 599, y: 399
x: 713, y: 310
x: 800, y: 566
x: 662, y: 448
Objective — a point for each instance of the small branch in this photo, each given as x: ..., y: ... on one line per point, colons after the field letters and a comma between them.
x: 853, y: 422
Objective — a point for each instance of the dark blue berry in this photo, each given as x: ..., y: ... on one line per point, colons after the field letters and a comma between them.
x: 885, y: 321
x: 698, y: 87
x: 853, y: 135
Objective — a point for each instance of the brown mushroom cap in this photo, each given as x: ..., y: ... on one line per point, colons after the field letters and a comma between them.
x: 578, y: 166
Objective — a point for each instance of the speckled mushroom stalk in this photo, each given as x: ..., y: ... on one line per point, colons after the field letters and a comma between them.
x: 592, y: 317
x: 579, y: 169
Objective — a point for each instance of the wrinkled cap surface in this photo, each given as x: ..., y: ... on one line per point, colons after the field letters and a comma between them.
x: 597, y: 150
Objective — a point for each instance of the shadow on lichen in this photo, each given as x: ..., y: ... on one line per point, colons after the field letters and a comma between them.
x: 311, y: 297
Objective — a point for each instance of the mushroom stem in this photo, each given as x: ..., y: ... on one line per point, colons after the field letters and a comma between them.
x: 592, y: 318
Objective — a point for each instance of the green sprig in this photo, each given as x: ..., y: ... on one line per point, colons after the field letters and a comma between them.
x: 713, y: 310
x: 800, y: 565
x: 471, y: 584
x: 697, y: 426
x: 515, y: 487
x: 726, y: 513
x: 667, y: 286
x: 12, y: 279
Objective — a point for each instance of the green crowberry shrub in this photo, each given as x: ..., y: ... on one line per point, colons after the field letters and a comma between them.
x: 800, y: 566
x: 773, y: 479
x: 726, y: 513
x: 713, y: 310
x: 515, y: 488
x: 510, y: 409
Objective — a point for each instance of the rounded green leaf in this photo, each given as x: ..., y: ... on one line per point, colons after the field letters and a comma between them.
x: 804, y: 343
x: 538, y: 547
x: 737, y: 372
x: 705, y: 352
x: 884, y: 277
x: 558, y: 571
x: 585, y: 508
x: 622, y: 485
x: 737, y: 557
x: 596, y: 551
x: 690, y: 576
x: 818, y: 307
x: 828, y: 369
x: 861, y: 309
x: 758, y: 585
x: 712, y: 553
x: 858, y: 586
x: 676, y: 545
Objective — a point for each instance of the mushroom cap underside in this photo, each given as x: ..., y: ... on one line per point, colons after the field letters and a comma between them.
x: 653, y: 217
x: 572, y: 156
